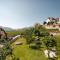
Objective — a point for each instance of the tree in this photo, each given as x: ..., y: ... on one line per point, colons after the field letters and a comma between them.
x: 44, y: 23
x: 28, y: 34
x: 36, y: 36
x: 6, y: 49
x: 37, y: 26
x: 50, y: 42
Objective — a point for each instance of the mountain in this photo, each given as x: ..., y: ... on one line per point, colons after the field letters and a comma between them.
x: 6, y: 28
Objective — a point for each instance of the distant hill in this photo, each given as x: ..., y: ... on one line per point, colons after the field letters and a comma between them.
x: 6, y: 28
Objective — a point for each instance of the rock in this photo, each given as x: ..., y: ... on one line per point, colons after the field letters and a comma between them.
x: 51, y: 54
x: 1, y: 46
x: 18, y: 43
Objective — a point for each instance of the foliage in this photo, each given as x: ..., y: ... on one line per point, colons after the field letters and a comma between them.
x: 50, y: 42
x: 28, y: 35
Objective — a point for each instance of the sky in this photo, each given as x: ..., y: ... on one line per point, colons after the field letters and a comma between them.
x: 25, y: 13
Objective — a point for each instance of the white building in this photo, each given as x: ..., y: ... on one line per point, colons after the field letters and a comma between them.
x: 52, y: 23
x: 51, y: 19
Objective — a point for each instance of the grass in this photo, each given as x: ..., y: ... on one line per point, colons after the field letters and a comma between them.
x: 58, y: 46
x: 23, y: 52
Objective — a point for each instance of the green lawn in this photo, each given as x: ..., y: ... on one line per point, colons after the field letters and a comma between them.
x: 23, y: 52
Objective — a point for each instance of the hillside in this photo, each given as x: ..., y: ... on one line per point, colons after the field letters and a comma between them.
x: 6, y: 28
